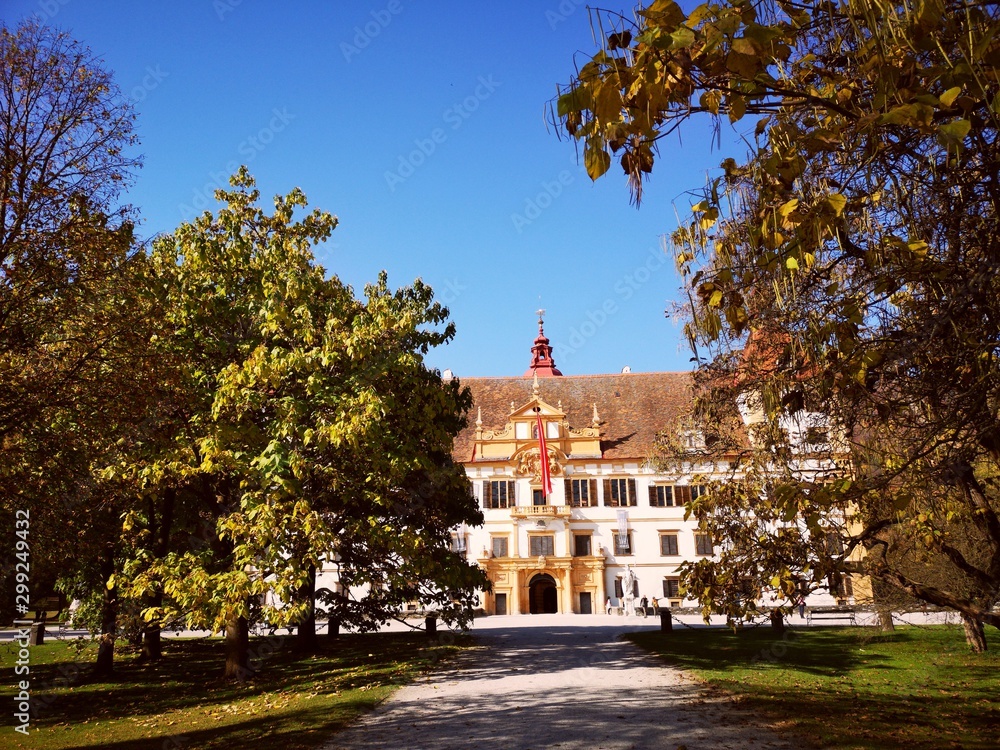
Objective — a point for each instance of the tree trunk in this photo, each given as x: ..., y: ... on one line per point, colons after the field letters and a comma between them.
x: 885, y: 622
x: 237, y: 649
x: 777, y: 621
x: 305, y: 634
x: 974, y: 634
x: 105, y: 665
x: 152, y: 649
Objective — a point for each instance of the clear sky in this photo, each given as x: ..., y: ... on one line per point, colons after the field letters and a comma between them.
x: 422, y: 126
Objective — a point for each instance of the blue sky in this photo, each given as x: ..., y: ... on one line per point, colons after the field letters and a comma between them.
x: 422, y: 127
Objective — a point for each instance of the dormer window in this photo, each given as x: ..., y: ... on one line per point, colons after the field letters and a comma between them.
x: 692, y: 440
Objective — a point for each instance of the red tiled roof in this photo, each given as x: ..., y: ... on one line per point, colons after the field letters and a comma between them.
x: 633, y: 407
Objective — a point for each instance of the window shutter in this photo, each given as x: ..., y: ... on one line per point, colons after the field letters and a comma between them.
x: 635, y: 587
x: 607, y: 493
x: 618, y: 588
x: 633, y: 498
x: 593, y: 493
x: 652, y: 495
x: 568, y: 485
x: 487, y: 494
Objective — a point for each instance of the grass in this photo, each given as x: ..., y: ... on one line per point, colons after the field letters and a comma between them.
x: 852, y: 687
x: 181, y: 702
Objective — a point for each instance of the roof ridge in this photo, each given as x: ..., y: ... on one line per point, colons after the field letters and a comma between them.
x: 571, y: 377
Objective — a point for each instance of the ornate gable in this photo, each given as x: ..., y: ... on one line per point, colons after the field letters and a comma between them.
x: 517, y: 440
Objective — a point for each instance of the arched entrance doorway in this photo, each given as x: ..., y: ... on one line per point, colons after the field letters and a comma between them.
x: 543, y: 596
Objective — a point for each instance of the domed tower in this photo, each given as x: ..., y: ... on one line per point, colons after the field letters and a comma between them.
x: 542, y: 363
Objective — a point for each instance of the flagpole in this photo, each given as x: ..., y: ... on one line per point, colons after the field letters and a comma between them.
x: 543, y: 455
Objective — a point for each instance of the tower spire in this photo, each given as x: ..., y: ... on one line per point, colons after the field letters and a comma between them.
x: 542, y: 364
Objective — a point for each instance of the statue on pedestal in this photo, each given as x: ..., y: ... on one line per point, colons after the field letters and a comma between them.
x: 628, y: 590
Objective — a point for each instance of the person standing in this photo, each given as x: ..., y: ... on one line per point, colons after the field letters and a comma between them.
x: 607, y: 606
x: 643, y: 603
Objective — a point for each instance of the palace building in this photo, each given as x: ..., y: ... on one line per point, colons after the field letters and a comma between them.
x: 610, y: 516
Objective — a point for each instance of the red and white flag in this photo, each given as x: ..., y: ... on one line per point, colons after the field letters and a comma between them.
x: 543, y: 455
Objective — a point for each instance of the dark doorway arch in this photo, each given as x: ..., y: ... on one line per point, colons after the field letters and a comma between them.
x: 543, y: 596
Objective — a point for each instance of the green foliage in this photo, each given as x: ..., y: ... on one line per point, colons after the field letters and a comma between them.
x: 304, y: 422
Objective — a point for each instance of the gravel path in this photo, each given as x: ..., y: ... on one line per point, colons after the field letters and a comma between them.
x: 544, y: 681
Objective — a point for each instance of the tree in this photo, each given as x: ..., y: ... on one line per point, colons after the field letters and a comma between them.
x: 66, y: 248
x: 847, y: 268
x: 65, y: 133
x: 299, y: 408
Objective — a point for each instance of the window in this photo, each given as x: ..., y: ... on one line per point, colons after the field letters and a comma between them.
x: 581, y: 493
x: 498, y: 494
x: 672, y: 588
x: 834, y: 544
x: 816, y: 436
x: 619, y: 493
x: 581, y: 545
x: 620, y: 590
x: 458, y: 542
x: 685, y: 493
x: 840, y: 585
x: 541, y: 545
x: 661, y: 496
x: 703, y: 544
x: 668, y: 544
x: 537, y: 498
x: 499, y: 546
x: 623, y: 543
x: 692, y: 440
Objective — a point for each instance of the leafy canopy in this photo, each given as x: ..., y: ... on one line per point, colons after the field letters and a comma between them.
x: 847, y: 268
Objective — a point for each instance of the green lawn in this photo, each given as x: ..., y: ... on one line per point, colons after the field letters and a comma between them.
x: 852, y: 687
x: 292, y: 703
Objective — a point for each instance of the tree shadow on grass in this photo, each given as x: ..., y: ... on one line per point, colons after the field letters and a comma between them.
x: 820, y: 652
x: 189, y: 677
x: 307, y: 728
x: 851, y: 687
